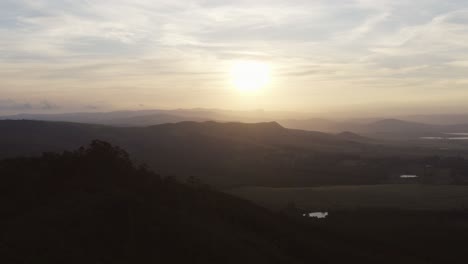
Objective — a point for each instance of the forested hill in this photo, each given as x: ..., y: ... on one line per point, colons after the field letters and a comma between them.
x: 233, y: 154
x: 93, y: 205
x: 223, y: 154
x: 26, y: 136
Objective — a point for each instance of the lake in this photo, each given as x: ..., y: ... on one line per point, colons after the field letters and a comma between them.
x: 405, y: 176
x: 450, y: 136
x: 318, y: 215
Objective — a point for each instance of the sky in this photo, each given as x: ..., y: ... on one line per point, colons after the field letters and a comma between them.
x: 361, y: 56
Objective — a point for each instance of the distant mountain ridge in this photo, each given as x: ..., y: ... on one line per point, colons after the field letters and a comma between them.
x: 408, y: 127
x: 380, y: 128
x: 149, y: 117
x: 118, y: 118
x: 228, y: 154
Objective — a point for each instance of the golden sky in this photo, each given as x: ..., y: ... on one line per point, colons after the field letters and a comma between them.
x: 322, y: 56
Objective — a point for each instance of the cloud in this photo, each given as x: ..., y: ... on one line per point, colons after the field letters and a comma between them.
x: 92, y: 107
x: 46, y: 105
x: 150, y: 52
x: 10, y: 105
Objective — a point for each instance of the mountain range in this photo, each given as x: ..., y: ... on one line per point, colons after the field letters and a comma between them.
x: 228, y: 154
x: 409, y: 127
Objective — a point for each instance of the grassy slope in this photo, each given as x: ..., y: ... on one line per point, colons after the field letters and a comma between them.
x: 384, y: 216
x: 94, y: 206
x: 423, y: 197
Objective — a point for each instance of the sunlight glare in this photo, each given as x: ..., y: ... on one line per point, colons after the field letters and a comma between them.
x: 250, y: 75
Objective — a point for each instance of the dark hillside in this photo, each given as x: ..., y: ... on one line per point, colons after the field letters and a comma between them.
x: 94, y: 206
x: 222, y: 153
x: 234, y: 154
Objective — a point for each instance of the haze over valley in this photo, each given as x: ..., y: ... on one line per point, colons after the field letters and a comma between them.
x: 214, y: 132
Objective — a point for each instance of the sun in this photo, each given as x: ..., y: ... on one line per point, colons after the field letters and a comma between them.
x: 250, y: 75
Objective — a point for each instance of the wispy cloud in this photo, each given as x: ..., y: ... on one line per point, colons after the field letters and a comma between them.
x: 158, y: 53
x: 11, y: 105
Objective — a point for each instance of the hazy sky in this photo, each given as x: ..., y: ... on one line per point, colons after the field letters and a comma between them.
x: 325, y: 55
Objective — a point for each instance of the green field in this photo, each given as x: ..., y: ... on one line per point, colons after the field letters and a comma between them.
x: 407, y: 197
